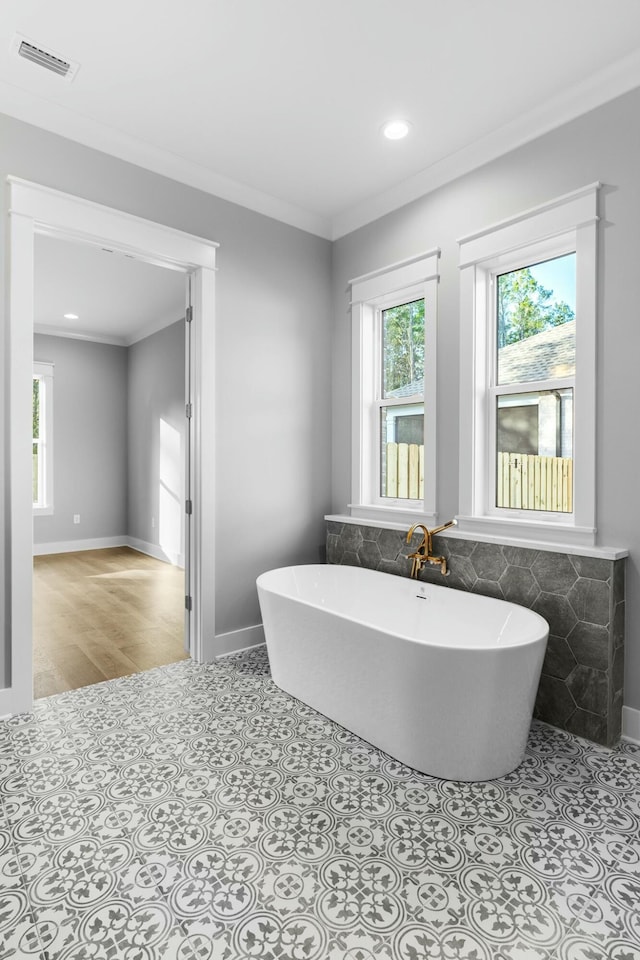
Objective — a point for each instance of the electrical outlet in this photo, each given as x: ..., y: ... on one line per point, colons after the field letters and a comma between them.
x: 153, y: 522
x: 76, y: 518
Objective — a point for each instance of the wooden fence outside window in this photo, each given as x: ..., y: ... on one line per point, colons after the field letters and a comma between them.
x: 528, y: 482
x: 523, y: 481
x: 404, y: 474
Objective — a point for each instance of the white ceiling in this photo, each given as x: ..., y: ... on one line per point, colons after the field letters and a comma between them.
x: 278, y: 104
x: 117, y: 299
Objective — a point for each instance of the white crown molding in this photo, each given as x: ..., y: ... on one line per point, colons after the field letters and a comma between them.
x: 599, y: 88
x: 51, y: 116
x: 44, y: 330
x: 602, y: 86
x: 150, y: 328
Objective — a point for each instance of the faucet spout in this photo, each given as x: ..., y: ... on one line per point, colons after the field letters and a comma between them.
x: 418, y: 526
x: 424, y: 552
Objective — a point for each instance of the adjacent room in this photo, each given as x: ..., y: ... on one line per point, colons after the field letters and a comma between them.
x: 321, y: 536
x: 109, y: 461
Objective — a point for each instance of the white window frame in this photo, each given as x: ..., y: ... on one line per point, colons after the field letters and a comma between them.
x: 565, y: 224
x: 526, y: 257
x: 399, y: 283
x: 44, y: 373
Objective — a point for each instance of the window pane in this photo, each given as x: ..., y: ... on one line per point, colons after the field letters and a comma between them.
x: 534, y: 469
x: 402, y: 453
x: 536, y: 323
x: 36, y: 474
x: 36, y: 407
x: 403, y: 350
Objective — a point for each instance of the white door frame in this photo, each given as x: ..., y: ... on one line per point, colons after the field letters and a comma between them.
x: 37, y: 209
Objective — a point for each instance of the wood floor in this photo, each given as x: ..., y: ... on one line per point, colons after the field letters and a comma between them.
x: 101, y: 614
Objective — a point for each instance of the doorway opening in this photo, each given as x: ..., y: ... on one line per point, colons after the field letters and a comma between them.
x: 36, y: 210
x: 110, y: 451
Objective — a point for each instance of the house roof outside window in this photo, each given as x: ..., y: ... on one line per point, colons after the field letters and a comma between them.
x: 545, y: 356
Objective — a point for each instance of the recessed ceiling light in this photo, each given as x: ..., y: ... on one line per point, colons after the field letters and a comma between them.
x: 396, y: 129
x: 71, y: 316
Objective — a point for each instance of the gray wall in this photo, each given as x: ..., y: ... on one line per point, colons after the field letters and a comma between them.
x: 273, y: 430
x: 602, y: 145
x: 156, y: 440
x: 119, y: 435
x: 89, y: 433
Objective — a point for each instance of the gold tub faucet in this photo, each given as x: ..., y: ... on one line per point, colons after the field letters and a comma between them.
x: 423, y: 553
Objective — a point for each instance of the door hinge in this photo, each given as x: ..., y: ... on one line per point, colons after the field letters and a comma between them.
x: 188, y: 410
x: 188, y: 604
x: 188, y: 507
x: 189, y: 314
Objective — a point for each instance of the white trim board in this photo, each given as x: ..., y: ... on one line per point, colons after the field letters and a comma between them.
x: 562, y: 224
x: 631, y: 724
x: 106, y: 543
x: 78, y: 546
x: 155, y: 551
x: 238, y: 640
x: 60, y: 214
x: 33, y: 209
x: 397, y: 276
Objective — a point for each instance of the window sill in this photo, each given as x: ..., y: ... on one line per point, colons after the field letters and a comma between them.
x: 555, y: 537
x: 393, y: 517
x: 43, y: 511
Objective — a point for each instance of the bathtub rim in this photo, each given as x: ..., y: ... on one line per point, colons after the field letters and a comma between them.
x: 537, y: 638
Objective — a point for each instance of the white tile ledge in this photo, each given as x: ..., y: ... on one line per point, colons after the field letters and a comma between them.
x: 601, y: 552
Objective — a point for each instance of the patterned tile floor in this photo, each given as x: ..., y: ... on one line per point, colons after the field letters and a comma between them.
x: 199, y: 813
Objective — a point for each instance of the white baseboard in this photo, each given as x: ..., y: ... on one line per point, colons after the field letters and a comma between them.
x: 104, y: 543
x: 236, y: 641
x: 631, y: 724
x: 73, y: 546
x: 153, y: 550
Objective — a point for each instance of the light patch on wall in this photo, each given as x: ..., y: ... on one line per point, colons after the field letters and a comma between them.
x: 170, y: 506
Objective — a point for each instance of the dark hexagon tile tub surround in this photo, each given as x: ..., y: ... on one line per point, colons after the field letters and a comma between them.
x: 519, y: 585
x: 554, y: 572
x: 582, y: 598
x: 488, y: 561
x: 559, y: 661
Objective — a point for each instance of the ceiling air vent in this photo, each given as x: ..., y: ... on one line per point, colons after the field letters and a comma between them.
x: 44, y: 58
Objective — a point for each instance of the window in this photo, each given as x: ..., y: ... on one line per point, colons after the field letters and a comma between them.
x: 42, y: 438
x: 394, y: 391
x: 528, y: 310
x: 532, y: 385
x: 400, y: 399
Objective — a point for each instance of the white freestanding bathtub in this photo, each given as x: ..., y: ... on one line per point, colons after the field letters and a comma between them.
x: 442, y: 680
